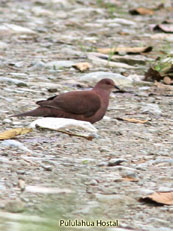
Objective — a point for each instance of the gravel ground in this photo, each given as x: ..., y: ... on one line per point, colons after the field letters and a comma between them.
x: 74, y: 178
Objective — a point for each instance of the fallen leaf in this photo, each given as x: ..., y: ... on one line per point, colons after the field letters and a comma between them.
x: 128, y: 178
x: 132, y: 120
x: 82, y: 66
x: 141, y: 11
x: 152, y: 75
x: 128, y: 50
x: 14, y: 132
x: 164, y: 198
x: 167, y: 28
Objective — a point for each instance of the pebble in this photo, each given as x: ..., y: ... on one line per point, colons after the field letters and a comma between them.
x: 16, y: 82
x: 114, y: 162
x: 3, y: 45
x: 59, y: 64
x: 47, y: 167
x: 38, y: 11
x: 16, y: 144
x: 14, y: 206
x: 8, y: 121
x: 151, y: 108
x: 14, y: 29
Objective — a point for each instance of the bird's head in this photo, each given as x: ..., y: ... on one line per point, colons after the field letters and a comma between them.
x: 106, y: 84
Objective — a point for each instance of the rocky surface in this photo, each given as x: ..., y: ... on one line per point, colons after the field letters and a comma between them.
x: 45, y: 175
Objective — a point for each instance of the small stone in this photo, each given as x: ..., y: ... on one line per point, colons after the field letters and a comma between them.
x: 8, y: 121
x: 16, y: 144
x: 114, y: 162
x: 14, y: 29
x: 16, y: 82
x: 47, y: 167
x: 151, y: 108
x: 165, y: 189
x: 106, y: 118
x: 22, y: 84
x: 93, y: 182
x: 3, y: 45
x: 52, y: 90
x: 104, y: 149
x: 21, y: 172
x: 59, y: 64
x: 14, y: 206
x: 38, y: 11
x: 129, y: 174
x: 37, y: 65
x: 101, y: 164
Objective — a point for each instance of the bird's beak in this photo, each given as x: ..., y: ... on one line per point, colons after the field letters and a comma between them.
x: 116, y: 87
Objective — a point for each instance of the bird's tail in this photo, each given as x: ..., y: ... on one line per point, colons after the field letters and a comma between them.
x: 40, y: 111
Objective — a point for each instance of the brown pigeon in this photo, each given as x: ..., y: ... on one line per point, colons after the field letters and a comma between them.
x: 88, y: 106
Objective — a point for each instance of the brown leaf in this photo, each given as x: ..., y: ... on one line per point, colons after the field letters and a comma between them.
x: 141, y: 11
x: 128, y: 50
x: 14, y: 132
x: 132, y: 120
x: 128, y: 178
x: 152, y: 75
x: 165, y: 198
x: 82, y: 66
x: 167, y: 28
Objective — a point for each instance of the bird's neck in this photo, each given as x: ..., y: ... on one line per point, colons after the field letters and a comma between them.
x: 104, y: 94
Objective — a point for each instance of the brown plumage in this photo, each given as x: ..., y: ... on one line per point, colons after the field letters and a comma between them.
x: 80, y: 105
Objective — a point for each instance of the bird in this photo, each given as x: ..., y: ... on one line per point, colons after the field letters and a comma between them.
x: 86, y: 105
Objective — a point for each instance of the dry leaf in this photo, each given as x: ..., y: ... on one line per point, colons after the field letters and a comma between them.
x: 129, y: 179
x: 132, y: 120
x: 165, y: 198
x: 128, y: 50
x: 152, y: 75
x: 82, y: 66
x: 126, y: 179
x: 141, y: 11
x: 167, y: 28
x: 14, y: 132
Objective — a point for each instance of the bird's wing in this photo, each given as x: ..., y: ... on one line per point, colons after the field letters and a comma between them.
x: 76, y: 102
